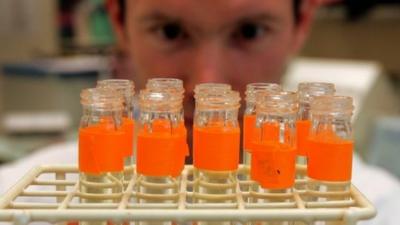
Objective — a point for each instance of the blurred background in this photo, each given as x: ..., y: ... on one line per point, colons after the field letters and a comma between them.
x: 51, y: 49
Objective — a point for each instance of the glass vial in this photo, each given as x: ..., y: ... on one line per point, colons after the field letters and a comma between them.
x: 216, y: 147
x: 330, y: 148
x: 273, y: 150
x: 161, y: 146
x: 307, y: 91
x: 126, y: 89
x: 101, y: 140
x: 249, y: 118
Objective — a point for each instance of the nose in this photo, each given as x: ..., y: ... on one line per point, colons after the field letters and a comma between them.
x: 207, y: 65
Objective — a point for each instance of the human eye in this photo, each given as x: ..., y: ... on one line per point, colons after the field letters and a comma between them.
x: 169, y: 32
x: 249, y: 33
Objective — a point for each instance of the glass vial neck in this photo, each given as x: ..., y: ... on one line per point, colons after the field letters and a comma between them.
x: 336, y: 106
x: 254, y: 88
x: 280, y: 103
x: 98, y: 99
x: 172, y: 85
x: 101, y: 106
x: 211, y: 87
x: 308, y: 90
x: 162, y: 102
x: 211, y: 99
x: 331, y: 118
x: 127, y: 86
x: 217, y: 109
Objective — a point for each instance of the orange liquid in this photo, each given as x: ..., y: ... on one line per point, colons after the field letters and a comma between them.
x: 330, y: 158
x: 269, y: 132
x: 165, y: 126
x: 302, y: 132
x: 273, y: 165
x: 162, y: 152
x: 128, y: 125
x: 249, y: 124
x: 216, y: 148
x: 181, y: 129
x: 100, y: 149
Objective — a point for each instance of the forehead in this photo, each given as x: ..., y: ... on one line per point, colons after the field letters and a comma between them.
x: 210, y: 11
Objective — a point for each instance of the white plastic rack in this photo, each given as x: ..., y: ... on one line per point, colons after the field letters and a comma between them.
x: 50, y: 193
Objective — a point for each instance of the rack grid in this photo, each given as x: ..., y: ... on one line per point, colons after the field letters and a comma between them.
x: 50, y: 193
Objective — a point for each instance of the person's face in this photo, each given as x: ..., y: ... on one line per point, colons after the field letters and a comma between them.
x: 229, y: 41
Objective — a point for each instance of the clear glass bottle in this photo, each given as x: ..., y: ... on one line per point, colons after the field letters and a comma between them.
x: 126, y: 88
x: 330, y: 148
x: 101, y: 138
x: 216, y: 135
x: 161, y: 147
x: 249, y: 117
x: 216, y: 147
x: 273, y: 152
x: 172, y: 86
x: 307, y: 91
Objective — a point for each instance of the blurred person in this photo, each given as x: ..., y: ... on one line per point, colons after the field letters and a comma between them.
x: 228, y: 41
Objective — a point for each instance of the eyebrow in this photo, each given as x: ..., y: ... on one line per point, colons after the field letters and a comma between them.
x: 266, y: 18
x: 158, y: 16
x: 259, y: 16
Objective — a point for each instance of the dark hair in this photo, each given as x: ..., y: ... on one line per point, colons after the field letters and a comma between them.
x: 122, y: 7
x: 296, y: 10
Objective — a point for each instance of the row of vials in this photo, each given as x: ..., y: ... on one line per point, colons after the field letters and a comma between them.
x: 310, y: 127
